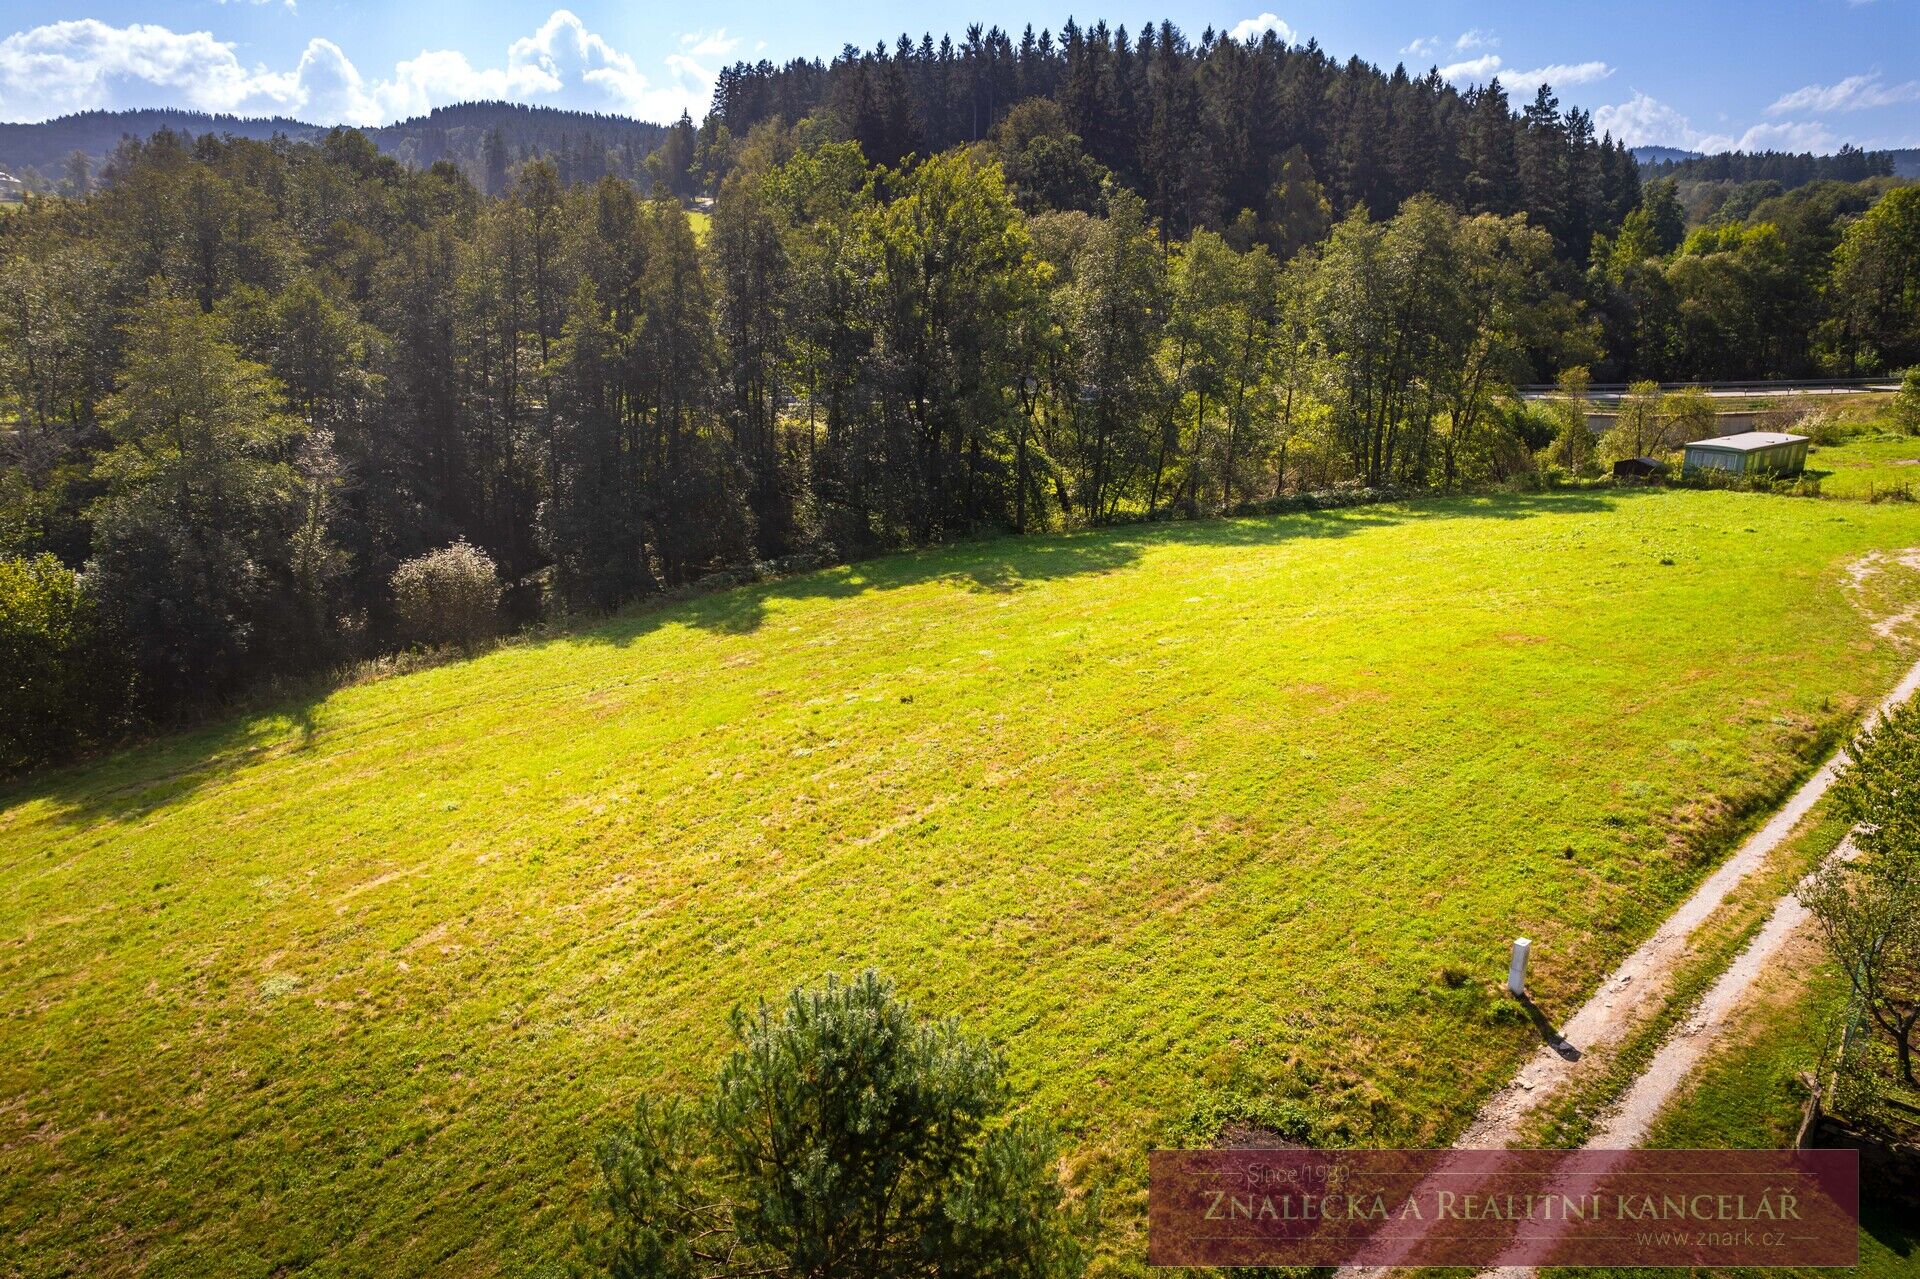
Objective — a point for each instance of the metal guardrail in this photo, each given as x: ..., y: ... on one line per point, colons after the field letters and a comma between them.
x: 1783, y: 386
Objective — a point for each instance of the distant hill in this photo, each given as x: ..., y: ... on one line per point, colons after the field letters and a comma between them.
x: 1663, y: 155
x: 1788, y: 169
x: 46, y: 146
x: 458, y: 133
x: 1906, y: 163
x: 591, y: 142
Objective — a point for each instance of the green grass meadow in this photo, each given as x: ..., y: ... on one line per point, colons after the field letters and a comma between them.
x: 1204, y: 820
x: 1878, y: 464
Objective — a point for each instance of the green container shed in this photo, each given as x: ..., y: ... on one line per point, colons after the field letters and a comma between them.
x: 1754, y: 452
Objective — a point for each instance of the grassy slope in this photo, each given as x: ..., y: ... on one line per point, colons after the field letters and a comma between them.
x: 1181, y: 814
x: 1868, y: 464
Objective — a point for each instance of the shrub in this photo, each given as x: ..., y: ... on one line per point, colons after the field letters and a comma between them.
x: 64, y: 685
x: 448, y: 596
x: 1689, y: 414
x: 1533, y: 424
x: 1825, y: 428
x: 1906, y: 404
x: 1640, y: 428
x: 841, y: 1137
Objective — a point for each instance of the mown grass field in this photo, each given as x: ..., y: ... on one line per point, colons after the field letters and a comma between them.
x: 1880, y: 463
x: 1199, y: 820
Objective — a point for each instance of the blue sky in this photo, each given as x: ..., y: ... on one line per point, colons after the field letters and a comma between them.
x: 1711, y: 74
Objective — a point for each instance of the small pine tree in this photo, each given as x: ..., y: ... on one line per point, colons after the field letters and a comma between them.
x: 842, y: 1137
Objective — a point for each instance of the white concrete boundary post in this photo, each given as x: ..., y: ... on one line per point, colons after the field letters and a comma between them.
x: 1517, y: 966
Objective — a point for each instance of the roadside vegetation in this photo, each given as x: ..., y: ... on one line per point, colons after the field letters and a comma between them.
x: 1752, y: 1093
x: 1207, y: 822
x: 1820, y: 1053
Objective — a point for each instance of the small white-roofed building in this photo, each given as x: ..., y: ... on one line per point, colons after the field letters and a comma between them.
x: 1750, y: 453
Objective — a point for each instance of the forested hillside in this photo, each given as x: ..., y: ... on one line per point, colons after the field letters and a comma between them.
x: 941, y: 291
x: 1789, y: 170
x: 484, y: 138
x: 1203, y: 130
x: 44, y: 146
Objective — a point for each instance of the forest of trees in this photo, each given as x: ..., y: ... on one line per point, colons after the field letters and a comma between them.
x: 243, y: 382
x: 485, y: 139
x: 1204, y: 131
x: 1788, y: 169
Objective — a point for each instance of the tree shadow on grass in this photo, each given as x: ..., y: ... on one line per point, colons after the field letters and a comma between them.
x: 135, y: 782
x: 1011, y: 563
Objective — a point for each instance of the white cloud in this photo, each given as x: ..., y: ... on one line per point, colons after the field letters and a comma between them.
x: 1855, y: 93
x: 1254, y: 28
x: 71, y: 65
x: 1474, y: 70
x: 715, y: 44
x: 1476, y: 39
x: 1424, y: 47
x: 1803, y: 135
x: 1645, y: 121
x: 76, y: 65
x: 1559, y: 74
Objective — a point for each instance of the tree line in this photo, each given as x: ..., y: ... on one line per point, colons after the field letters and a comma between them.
x: 485, y: 139
x: 244, y: 382
x: 1205, y: 131
x: 1787, y: 169
x: 1823, y: 279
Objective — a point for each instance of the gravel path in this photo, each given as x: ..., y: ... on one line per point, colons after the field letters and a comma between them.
x: 1631, y: 1117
